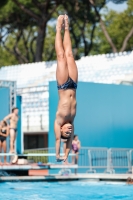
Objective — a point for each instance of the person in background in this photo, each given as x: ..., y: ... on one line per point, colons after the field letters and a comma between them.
x: 75, y: 149
x: 129, y: 180
x: 13, y: 117
x: 4, y: 133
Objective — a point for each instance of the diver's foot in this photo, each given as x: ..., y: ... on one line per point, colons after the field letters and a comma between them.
x: 12, y: 152
x: 60, y: 23
x: 66, y: 162
x: 66, y: 22
x: 6, y: 163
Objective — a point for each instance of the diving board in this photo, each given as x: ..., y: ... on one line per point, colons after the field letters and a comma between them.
x: 32, y: 154
x: 35, y: 166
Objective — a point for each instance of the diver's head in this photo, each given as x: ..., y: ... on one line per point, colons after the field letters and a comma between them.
x: 66, y: 131
x: 3, y: 123
x: 15, y: 110
x: 75, y: 137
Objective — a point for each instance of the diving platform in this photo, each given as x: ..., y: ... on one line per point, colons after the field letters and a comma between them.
x: 71, y: 177
x: 36, y: 166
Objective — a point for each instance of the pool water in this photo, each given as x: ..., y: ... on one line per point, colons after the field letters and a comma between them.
x: 65, y: 191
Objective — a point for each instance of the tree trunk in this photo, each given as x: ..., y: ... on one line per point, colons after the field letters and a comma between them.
x: 40, y: 43
x: 107, y: 36
x: 129, y: 35
x: 105, y: 32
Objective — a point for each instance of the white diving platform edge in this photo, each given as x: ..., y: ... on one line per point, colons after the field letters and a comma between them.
x: 32, y: 154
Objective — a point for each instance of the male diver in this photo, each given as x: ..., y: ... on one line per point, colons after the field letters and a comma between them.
x: 67, y: 77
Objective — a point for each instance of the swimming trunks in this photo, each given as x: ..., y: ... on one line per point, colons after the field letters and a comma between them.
x: 14, y: 129
x: 2, y: 138
x: 70, y: 84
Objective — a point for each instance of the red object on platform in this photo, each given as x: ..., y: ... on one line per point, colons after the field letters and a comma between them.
x: 38, y: 172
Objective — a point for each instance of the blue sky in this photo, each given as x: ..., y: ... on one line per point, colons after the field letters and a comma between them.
x: 117, y: 7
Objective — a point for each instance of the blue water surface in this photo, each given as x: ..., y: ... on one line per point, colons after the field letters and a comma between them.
x: 65, y: 191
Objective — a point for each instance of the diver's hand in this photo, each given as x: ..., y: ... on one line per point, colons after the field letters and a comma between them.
x: 65, y: 158
x: 61, y: 158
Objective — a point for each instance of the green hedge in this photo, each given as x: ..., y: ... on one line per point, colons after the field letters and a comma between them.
x: 37, y: 159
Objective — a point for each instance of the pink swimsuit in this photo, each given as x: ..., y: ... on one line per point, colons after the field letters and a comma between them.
x: 75, y: 148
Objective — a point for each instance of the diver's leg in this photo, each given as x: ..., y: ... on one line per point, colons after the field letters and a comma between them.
x: 62, y: 70
x: 76, y: 161
x: 12, y: 140
x: 73, y: 158
x: 72, y: 67
x: 0, y: 151
x: 4, y: 148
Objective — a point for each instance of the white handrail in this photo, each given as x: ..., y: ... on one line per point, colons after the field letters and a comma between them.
x: 32, y: 154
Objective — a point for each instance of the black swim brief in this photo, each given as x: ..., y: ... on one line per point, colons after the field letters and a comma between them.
x: 14, y: 129
x: 2, y: 138
x: 70, y: 84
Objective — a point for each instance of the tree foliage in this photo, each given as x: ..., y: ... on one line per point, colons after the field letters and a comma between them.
x: 119, y: 27
x: 27, y: 28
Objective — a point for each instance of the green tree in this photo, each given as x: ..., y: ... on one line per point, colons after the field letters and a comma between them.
x: 19, y: 14
x: 119, y: 27
x: 26, y: 34
x: 6, y: 58
x: 34, y: 14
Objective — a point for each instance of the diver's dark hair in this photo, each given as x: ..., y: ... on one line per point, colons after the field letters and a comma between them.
x: 74, y: 136
x: 5, y: 123
x: 65, y: 138
x: 14, y: 109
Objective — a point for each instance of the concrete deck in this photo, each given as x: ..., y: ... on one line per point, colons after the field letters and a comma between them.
x: 80, y: 177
